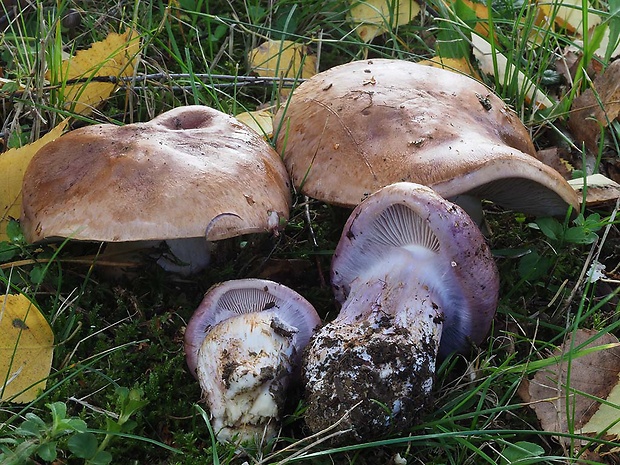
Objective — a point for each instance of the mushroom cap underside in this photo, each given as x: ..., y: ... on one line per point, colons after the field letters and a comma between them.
x: 241, y: 296
x: 163, y: 179
x: 358, y: 127
x: 403, y: 218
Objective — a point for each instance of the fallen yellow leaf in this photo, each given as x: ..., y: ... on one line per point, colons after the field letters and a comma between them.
x: 13, y: 164
x: 26, y: 349
x: 457, y: 65
x: 479, y: 9
x: 541, y: 26
x: 568, y: 14
x: 283, y: 59
x: 114, y: 56
x: 600, y: 190
x: 602, y: 50
x: 605, y: 419
x: 261, y: 121
x: 374, y: 17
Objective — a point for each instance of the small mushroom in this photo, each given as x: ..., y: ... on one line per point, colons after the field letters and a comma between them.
x: 416, y: 280
x: 244, y: 344
x: 354, y: 128
x: 165, y: 179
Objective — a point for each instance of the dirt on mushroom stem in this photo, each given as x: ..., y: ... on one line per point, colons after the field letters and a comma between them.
x: 372, y: 368
x: 383, y: 360
x: 404, y: 272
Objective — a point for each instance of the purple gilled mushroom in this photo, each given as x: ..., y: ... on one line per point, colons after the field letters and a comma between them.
x: 244, y: 344
x: 416, y: 280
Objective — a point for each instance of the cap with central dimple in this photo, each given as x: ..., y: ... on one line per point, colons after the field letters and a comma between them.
x: 163, y: 179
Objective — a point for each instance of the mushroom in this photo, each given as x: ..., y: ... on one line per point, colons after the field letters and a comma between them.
x: 417, y: 281
x: 165, y: 179
x: 357, y: 127
x: 244, y: 344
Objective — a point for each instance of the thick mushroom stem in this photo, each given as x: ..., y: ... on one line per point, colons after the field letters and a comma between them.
x: 380, y: 353
x: 417, y: 281
x: 244, y: 344
x: 245, y: 365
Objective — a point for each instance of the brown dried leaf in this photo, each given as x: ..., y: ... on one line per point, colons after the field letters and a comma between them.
x: 285, y: 269
x: 594, y: 374
x: 588, y: 116
x: 556, y: 158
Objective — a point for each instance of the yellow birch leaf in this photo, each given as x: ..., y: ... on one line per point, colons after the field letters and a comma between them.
x: 374, y: 17
x: 485, y: 54
x: 479, y: 9
x: 114, y: 56
x: 542, y: 25
x: 283, y: 59
x: 457, y: 65
x: 568, y: 14
x: 26, y: 349
x: 261, y: 121
x: 13, y: 164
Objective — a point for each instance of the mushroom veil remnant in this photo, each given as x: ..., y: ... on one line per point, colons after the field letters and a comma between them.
x: 244, y: 344
x: 165, y: 179
x: 416, y: 280
x: 357, y: 127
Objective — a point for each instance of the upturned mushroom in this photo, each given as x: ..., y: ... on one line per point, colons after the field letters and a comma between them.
x: 165, y: 179
x: 244, y: 344
x: 417, y: 281
x: 357, y: 127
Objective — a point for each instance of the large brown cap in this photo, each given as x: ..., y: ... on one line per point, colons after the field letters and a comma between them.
x: 355, y: 128
x: 164, y: 179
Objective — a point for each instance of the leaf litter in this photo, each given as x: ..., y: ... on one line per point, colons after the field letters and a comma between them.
x: 578, y: 392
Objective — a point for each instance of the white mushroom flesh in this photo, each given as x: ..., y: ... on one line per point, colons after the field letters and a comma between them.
x: 244, y: 367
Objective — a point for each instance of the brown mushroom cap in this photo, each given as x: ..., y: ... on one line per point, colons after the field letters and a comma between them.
x: 355, y: 128
x: 167, y: 178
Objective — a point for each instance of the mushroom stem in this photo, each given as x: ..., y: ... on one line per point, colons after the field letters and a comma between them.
x: 244, y: 344
x: 245, y: 370
x: 416, y: 281
x: 392, y: 285
x: 389, y: 331
x: 419, y: 312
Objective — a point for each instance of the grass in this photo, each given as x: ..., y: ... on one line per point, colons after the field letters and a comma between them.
x: 118, y: 364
